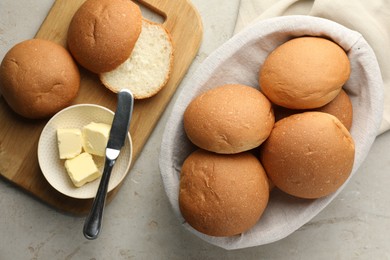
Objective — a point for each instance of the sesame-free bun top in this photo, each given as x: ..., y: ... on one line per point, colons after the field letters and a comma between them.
x: 340, y: 107
x: 222, y: 194
x: 308, y: 155
x: 229, y: 119
x: 304, y: 73
x: 102, y: 33
x: 38, y: 78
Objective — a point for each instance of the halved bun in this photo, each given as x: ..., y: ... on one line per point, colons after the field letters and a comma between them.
x: 148, y: 68
x: 38, y: 78
x: 102, y: 33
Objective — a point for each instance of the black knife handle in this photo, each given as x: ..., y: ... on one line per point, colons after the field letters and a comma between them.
x: 93, y: 222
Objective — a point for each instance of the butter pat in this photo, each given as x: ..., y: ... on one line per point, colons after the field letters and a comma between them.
x: 82, y: 169
x: 69, y: 142
x: 95, y: 138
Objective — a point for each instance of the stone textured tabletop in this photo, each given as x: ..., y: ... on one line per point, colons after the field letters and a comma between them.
x: 139, y: 223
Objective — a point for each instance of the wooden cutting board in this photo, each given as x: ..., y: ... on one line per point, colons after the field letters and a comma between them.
x: 19, y: 137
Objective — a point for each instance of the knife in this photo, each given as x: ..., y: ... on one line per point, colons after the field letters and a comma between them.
x: 117, y: 137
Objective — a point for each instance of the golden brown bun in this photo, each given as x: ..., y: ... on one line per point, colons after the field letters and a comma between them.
x: 308, y: 155
x: 340, y: 107
x: 38, y: 78
x: 222, y: 195
x: 271, y: 185
x: 102, y: 33
x: 229, y: 119
x: 304, y: 73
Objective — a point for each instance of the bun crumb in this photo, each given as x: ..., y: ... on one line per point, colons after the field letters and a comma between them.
x: 148, y: 68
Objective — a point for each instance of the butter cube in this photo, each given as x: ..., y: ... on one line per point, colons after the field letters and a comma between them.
x: 82, y: 169
x: 95, y: 137
x: 69, y: 142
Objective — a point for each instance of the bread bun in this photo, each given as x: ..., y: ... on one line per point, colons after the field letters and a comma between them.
x: 222, y: 195
x: 340, y: 107
x: 102, y: 33
x: 148, y: 68
x: 308, y: 155
x: 304, y: 73
x: 229, y: 119
x: 38, y: 78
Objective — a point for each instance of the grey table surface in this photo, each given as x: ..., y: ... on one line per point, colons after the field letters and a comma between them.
x: 139, y: 223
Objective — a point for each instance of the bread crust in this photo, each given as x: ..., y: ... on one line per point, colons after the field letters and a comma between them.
x: 102, y: 33
x: 340, y: 107
x: 229, y: 119
x: 308, y: 155
x: 38, y: 78
x: 304, y: 73
x: 222, y: 195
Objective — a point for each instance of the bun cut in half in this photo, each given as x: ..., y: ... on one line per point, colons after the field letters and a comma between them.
x: 229, y: 119
x: 308, y: 155
x: 38, y: 78
x: 222, y: 195
x: 102, y: 33
x: 148, y: 68
x: 304, y: 73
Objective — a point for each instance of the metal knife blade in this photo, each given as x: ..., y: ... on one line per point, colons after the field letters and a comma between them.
x: 121, y: 122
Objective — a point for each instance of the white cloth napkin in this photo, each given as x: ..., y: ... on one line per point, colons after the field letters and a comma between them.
x: 238, y: 61
x: 370, y: 18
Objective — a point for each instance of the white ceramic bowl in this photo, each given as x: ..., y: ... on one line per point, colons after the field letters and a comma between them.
x: 239, y: 61
x: 53, y: 167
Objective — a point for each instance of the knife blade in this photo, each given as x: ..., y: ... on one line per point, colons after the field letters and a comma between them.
x: 121, y: 122
x: 116, y: 140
